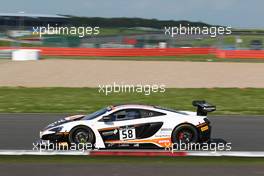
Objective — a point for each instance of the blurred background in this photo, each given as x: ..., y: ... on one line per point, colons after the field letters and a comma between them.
x: 16, y: 29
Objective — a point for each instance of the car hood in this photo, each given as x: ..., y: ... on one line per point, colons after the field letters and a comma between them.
x: 64, y: 120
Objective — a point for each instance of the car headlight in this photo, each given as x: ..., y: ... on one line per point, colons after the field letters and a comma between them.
x: 57, y: 129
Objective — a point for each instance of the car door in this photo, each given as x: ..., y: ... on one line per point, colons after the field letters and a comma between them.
x: 128, y: 125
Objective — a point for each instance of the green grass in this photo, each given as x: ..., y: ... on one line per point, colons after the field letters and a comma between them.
x: 9, y: 44
x: 231, y: 40
x: 231, y: 101
x: 190, y: 58
x: 134, y: 160
x: 228, y: 40
x: 120, y: 31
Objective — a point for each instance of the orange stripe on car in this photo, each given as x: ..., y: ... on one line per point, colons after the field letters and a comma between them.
x: 106, y: 129
x: 163, y: 142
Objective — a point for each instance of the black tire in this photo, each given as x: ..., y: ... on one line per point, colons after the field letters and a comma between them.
x: 185, y: 134
x: 81, y: 134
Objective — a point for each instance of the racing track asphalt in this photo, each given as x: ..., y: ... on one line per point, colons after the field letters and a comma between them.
x: 19, y: 131
x: 126, y: 169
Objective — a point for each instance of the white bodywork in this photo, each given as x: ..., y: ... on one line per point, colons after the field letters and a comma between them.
x: 161, y: 138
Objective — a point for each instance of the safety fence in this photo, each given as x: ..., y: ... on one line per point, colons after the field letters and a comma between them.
x: 236, y: 54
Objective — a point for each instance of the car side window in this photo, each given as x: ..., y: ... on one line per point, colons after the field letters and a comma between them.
x: 127, y: 114
x: 119, y: 115
x: 149, y: 113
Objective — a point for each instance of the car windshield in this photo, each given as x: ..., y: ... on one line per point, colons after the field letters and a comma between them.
x: 95, y: 114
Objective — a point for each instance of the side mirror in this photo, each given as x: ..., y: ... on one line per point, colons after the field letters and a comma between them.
x: 107, y: 118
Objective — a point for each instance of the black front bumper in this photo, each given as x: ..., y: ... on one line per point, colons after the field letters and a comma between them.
x: 56, y: 137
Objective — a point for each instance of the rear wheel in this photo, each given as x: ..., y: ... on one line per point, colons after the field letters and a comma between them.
x: 185, y: 134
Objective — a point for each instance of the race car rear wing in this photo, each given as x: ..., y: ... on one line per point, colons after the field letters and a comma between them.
x: 203, y: 107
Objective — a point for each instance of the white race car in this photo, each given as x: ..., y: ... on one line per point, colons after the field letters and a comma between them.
x: 132, y: 125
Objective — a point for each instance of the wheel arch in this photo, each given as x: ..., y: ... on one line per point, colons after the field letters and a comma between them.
x: 184, y: 123
x: 82, y: 127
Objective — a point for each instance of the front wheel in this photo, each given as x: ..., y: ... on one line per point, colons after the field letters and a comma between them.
x: 81, y: 135
x: 185, y: 134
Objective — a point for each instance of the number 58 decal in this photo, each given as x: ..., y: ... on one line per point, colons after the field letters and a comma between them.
x: 127, y: 133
